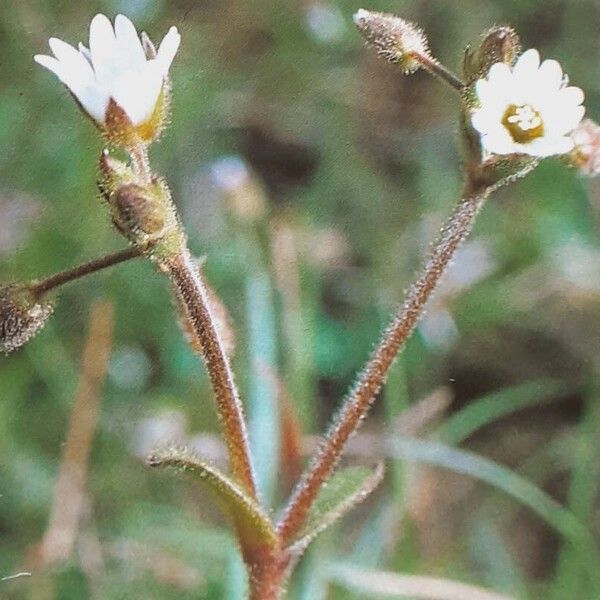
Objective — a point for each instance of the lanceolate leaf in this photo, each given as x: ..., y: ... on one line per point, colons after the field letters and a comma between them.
x: 346, y: 488
x: 253, y: 527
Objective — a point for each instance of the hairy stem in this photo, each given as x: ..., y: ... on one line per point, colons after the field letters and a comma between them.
x: 187, y: 281
x: 39, y: 287
x: 140, y: 163
x: 266, y: 577
x: 373, y: 376
x: 437, y: 69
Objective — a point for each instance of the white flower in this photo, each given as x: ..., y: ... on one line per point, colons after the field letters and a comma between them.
x: 117, y: 67
x: 527, y: 109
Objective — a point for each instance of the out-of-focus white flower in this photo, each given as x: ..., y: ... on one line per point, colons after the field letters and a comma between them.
x: 121, y: 80
x: 527, y: 109
x: 586, y: 154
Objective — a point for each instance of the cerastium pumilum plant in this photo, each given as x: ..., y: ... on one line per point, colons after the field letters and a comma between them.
x: 514, y: 111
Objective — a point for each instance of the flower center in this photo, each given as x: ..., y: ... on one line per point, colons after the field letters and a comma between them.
x: 523, y: 123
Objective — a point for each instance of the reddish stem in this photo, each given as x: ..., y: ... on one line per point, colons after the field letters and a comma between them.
x: 41, y: 286
x: 373, y: 376
x: 192, y: 292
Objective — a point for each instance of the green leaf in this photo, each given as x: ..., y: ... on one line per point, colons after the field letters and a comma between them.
x: 346, y: 489
x: 252, y: 526
x: 528, y: 494
x: 499, y: 404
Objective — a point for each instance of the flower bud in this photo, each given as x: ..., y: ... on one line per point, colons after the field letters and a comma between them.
x: 398, y: 41
x: 21, y: 316
x: 113, y: 173
x: 500, y: 44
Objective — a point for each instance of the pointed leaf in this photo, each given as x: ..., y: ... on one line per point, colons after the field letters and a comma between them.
x: 346, y: 489
x: 253, y: 527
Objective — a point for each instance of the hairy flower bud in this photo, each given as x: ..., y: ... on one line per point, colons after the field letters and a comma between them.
x: 500, y: 44
x: 21, y: 316
x: 113, y: 173
x: 140, y: 211
x: 398, y: 41
x: 135, y: 212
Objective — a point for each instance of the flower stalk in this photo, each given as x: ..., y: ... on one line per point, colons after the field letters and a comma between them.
x: 39, y: 287
x: 437, y: 69
x: 373, y: 376
x: 192, y: 293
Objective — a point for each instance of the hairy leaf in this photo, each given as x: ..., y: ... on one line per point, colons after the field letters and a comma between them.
x: 253, y: 527
x: 346, y: 488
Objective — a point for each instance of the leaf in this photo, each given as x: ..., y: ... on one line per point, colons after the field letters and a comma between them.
x: 395, y: 585
x: 468, y: 463
x: 496, y: 405
x: 346, y: 489
x: 253, y: 527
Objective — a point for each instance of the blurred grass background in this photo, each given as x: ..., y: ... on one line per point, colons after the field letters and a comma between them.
x: 360, y: 168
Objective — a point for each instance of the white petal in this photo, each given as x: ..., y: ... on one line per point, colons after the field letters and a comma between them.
x: 93, y: 99
x: 548, y: 146
x: 85, y: 52
x: 561, y: 121
x: 500, y: 76
x: 137, y: 93
x: 103, y: 48
x: 550, y: 75
x: 527, y: 64
x: 128, y: 43
x: 486, y: 92
x: 167, y: 49
x: 488, y: 117
x: 72, y: 60
x: 498, y: 142
x: 571, y: 95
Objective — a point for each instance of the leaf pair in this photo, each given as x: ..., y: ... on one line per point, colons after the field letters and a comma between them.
x: 254, y: 529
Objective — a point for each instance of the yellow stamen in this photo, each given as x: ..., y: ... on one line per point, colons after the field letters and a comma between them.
x: 523, y: 122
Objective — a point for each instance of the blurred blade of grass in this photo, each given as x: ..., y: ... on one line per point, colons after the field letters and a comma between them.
x: 467, y: 463
x: 263, y: 407
x: 173, y: 529
x: 311, y: 583
x: 299, y: 294
x: 235, y: 581
x: 395, y: 585
x: 396, y: 402
x: 370, y: 547
x: 583, y: 489
x: 493, y: 406
x: 491, y: 555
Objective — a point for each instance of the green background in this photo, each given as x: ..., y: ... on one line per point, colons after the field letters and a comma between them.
x: 360, y: 167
